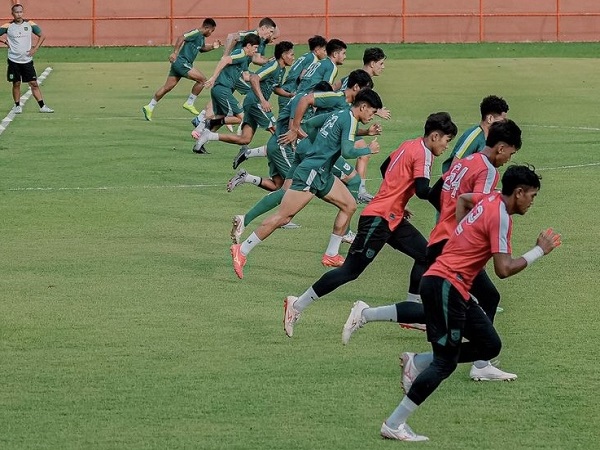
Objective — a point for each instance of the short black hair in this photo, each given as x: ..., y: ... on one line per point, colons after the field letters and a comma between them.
x: 360, y: 77
x: 209, y: 23
x: 368, y: 96
x: 322, y: 86
x: 335, y: 45
x: 282, y: 47
x: 440, y: 121
x: 251, y: 39
x: 267, y: 22
x: 373, y: 54
x: 504, y: 131
x: 16, y: 5
x: 520, y: 176
x: 493, y: 104
x: 316, y: 41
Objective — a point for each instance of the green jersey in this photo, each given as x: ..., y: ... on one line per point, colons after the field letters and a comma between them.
x: 192, y: 44
x: 231, y: 72
x: 271, y: 76
x: 471, y: 141
x: 320, y: 70
x: 293, y: 77
x: 261, y: 47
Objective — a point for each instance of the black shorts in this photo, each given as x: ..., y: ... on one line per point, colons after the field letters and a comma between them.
x: 20, y: 72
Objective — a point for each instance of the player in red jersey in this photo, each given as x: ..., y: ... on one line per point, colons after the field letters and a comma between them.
x: 383, y: 221
x: 484, y: 233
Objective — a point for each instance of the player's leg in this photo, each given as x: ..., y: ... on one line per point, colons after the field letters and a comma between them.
x: 29, y: 75
x: 13, y: 75
x: 340, y: 196
x: 199, y: 78
x: 171, y: 81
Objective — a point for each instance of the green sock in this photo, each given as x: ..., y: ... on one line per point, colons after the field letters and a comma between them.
x: 267, y: 203
x: 353, y: 186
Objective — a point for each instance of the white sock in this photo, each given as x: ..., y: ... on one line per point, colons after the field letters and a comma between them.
x: 480, y: 364
x: 334, y: 245
x: 413, y: 298
x: 401, y: 413
x: 213, y: 136
x: 305, y: 299
x: 256, y: 152
x: 422, y: 361
x: 152, y: 104
x: 249, y: 244
x: 386, y: 313
x: 252, y: 179
x: 191, y: 99
x: 362, y: 187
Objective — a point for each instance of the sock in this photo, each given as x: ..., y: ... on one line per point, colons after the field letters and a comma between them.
x: 41, y: 103
x: 213, y: 136
x: 256, y: 152
x: 401, y: 413
x: 353, y: 185
x: 334, y: 245
x: 191, y: 99
x: 305, y: 299
x: 252, y: 179
x: 423, y: 360
x: 17, y: 103
x: 362, y: 187
x: 382, y: 313
x: 249, y: 244
x: 413, y: 298
x: 215, y: 122
x: 265, y: 204
x: 480, y: 364
x: 152, y: 104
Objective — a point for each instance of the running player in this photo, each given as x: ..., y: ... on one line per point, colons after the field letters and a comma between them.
x: 325, y: 69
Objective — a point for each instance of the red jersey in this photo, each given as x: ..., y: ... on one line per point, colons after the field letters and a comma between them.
x: 472, y: 174
x: 484, y: 231
x: 408, y: 162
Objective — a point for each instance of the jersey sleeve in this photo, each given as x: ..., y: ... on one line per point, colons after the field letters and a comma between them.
x: 349, y: 127
x: 500, y: 230
x: 239, y: 57
x: 191, y: 35
x: 4, y: 29
x: 422, y: 161
x: 486, y: 181
x: 267, y: 69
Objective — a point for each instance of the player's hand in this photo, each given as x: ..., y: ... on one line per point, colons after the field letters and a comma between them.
x: 548, y: 240
x: 265, y: 105
x: 172, y: 57
x: 374, y: 146
x: 407, y: 213
x: 384, y: 113
x: 374, y: 130
x: 288, y: 137
x: 208, y: 83
x: 216, y: 44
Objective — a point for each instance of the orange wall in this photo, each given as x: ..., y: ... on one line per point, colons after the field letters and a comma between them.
x: 159, y: 22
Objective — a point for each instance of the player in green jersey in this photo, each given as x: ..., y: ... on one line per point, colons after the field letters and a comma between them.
x: 182, y: 59
x: 324, y: 69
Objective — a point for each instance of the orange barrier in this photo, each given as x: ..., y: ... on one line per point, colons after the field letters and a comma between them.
x: 141, y: 22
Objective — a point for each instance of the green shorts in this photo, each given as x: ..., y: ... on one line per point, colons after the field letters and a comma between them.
x: 280, y: 158
x: 256, y: 116
x: 309, y: 178
x: 242, y: 87
x: 224, y: 103
x: 341, y: 168
x: 180, y: 69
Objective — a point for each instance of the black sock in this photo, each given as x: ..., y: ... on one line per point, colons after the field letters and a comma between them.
x: 41, y: 103
x: 17, y: 103
x: 216, y: 122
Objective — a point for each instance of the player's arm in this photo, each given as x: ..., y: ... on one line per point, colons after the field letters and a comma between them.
x: 435, y: 194
x: 464, y: 204
x: 292, y: 134
x: 337, y: 85
x: 282, y: 92
x: 259, y: 59
x: 422, y: 188
x: 176, y: 48
x: 352, y: 152
x: 313, y: 125
x: 209, y: 48
x: 223, y: 62
x: 3, y: 31
x: 255, y: 85
x: 505, y: 265
x: 41, y: 37
x: 230, y: 41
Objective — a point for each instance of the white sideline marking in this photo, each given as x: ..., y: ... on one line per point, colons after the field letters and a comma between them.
x: 563, y: 127
x: 11, y: 115
x: 196, y: 186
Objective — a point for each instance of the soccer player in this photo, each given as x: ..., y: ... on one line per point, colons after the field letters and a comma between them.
x: 312, y: 176
x: 182, y: 59
x: 324, y: 69
x: 373, y: 64
x: 476, y: 173
x: 20, y: 57
x: 493, y: 109
x: 257, y: 109
x: 228, y: 70
x: 484, y: 233
x: 384, y: 220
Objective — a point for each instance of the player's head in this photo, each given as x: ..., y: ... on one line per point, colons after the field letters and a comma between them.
x: 208, y: 26
x: 318, y: 45
x: 504, y: 138
x: 322, y: 86
x: 374, y: 59
x: 358, y: 79
x: 17, y: 11
x: 493, y: 109
x: 521, y: 184
x: 336, y: 50
x: 439, y: 131
x: 365, y: 104
x: 266, y: 28
x: 284, y: 50
x: 250, y: 44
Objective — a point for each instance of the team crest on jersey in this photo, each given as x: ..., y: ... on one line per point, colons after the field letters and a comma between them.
x: 26, y: 29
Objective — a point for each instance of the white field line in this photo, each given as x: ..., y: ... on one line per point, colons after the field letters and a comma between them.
x: 199, y: 186
x: 11, y: 115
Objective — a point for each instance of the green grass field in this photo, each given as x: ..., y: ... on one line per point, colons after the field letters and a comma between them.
x: 122, y: 324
